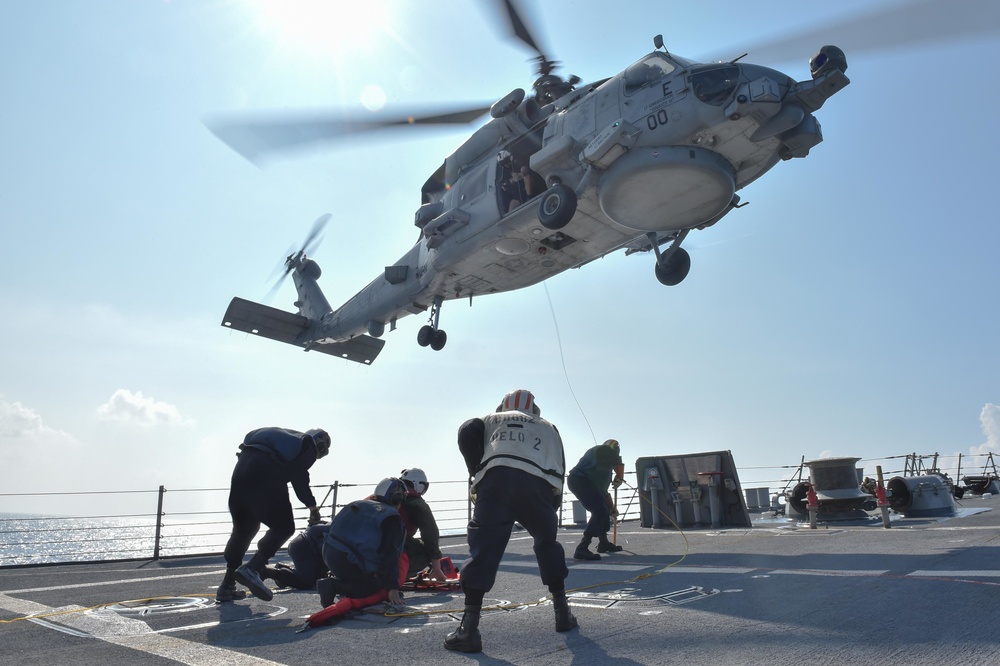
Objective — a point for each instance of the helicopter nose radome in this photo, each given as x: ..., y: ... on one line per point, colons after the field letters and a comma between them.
x: 666, y: 188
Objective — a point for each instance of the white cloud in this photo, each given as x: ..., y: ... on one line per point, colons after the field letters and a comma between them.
x: 24, y: 438
x: 126, y: 406
x: 989, y: 419
x: 18, y: 422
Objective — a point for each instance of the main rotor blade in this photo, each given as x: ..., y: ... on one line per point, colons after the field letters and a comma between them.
x: 922, y: 22
x: 518, y: 28
x: 255, y: 137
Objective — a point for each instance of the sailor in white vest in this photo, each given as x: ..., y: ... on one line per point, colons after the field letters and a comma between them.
x: 516, y: 461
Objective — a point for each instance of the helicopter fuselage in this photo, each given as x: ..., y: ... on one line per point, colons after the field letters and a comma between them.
x: 626, y: 163
x: 660, y: 148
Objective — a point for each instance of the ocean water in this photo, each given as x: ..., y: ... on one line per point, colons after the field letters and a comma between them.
x: 92, y: 529
x: 30, y: 539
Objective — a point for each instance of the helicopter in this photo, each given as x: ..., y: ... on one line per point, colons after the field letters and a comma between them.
x: 555, y: 179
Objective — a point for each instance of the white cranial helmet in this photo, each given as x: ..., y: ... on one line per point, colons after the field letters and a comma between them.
x: 415, y: 478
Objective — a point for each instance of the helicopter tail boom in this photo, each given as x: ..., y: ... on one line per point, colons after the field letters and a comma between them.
x: 273, y: 324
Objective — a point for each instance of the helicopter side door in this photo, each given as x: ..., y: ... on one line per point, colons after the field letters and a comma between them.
x: 516, y: 183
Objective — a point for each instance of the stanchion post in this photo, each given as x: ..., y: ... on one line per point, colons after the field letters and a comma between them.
x: 159, y: 523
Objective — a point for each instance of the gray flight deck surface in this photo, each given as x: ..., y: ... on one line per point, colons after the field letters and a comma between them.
x: 925, y: 591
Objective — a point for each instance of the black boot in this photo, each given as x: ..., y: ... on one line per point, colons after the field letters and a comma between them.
x: 227, y: 591
x: 328, y: 589
x: 283, y: 577
x: 248, y: 576
x: 466, y: 638
x: 583, y: 551
x: 565, y: 620
x: 606, y: 546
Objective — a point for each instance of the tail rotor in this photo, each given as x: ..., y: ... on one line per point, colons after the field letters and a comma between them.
x: 294, y: 258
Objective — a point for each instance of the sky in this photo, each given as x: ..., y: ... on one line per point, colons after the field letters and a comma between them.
x: 849, y: 310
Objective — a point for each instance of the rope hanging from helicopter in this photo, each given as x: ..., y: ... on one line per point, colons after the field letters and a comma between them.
x: 562, y: 359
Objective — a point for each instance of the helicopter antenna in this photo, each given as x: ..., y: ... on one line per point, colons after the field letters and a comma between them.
x: 658, y: 44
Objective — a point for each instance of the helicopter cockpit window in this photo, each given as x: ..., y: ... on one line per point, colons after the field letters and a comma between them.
x: 649, y: 70
x: 715, y: 84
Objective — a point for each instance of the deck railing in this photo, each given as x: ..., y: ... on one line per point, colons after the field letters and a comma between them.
x: 177, y: 524
x: 169, y: 522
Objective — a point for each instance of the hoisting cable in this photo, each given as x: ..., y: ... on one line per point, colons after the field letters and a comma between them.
x: 562, y: 359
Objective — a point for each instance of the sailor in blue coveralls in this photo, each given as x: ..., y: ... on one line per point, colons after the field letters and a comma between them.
x: 306, y: 551
x: 269, y: 459
x: 363, y: 549
x: 516, y: 461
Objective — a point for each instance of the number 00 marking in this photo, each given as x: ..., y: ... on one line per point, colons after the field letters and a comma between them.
x: 654, y: 120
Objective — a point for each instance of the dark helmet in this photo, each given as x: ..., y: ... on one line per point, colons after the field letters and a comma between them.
x: 611, y: 444
x: 416, y: 479
x: 321, y: 438
x: 390, y: 491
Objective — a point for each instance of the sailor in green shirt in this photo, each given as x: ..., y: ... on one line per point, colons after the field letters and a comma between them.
x: 589, y: 481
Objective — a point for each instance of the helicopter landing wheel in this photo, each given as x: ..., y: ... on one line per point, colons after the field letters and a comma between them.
x: 672, y: 271
x: 425, y: 335
x: 557, y: 207
x: 439, y: 340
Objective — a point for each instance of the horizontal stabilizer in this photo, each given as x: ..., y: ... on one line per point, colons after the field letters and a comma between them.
x: 360, y: 348
x: 274, y: 324
x: 264, y: 320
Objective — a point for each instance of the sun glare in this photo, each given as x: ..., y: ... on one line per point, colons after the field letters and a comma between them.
x: 373, y: 98
x: 324, y: 27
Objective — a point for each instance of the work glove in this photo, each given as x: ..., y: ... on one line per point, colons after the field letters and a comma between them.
x: 617, y: 482
x: 314, y: 517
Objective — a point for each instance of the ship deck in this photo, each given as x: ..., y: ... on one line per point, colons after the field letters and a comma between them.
x: 924, y: 591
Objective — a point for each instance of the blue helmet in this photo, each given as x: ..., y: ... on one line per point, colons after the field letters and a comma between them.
x: 321, y: 438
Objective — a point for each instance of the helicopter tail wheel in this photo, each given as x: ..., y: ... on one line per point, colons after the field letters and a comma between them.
x: 439, y: 340
x: 425, y: 335
x: 557, y: 207
x: 672, y: 271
